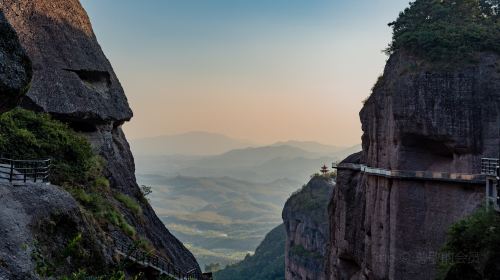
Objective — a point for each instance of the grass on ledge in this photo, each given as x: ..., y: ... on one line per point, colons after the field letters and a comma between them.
x: 129, y: 202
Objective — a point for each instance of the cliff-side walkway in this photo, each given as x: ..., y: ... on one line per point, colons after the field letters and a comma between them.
x: 22, y: 171
x: 161, y: 265
x: 475, y: 179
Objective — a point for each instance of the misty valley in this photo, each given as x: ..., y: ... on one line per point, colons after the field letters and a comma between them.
x: 221, y: 206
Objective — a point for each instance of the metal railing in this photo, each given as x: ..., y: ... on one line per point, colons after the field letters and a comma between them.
x: 165, y: 267
x: 414, y: 175
x: 489, y: 166
x: 22, y: 171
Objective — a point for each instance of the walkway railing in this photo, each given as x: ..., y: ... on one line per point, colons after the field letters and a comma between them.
x: 489, y: 166
x: 161, y: 265
x: 415, y: 175
x: 22, y: 171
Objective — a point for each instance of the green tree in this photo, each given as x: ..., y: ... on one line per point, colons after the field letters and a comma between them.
x: 472, y: 250
x: 446, y: 29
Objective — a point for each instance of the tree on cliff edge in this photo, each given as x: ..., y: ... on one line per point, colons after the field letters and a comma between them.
x: 445, y: 29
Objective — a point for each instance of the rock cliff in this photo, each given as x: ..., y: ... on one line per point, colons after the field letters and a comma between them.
x: 75, y: 83
x: 30, y: 231
x: 306, y: 224
x: 421, y: 116
x: 15, y: 67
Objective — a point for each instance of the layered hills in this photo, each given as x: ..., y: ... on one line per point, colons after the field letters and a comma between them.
x: 256, y: 164
x: 221, y: 219
x: 223, y: 205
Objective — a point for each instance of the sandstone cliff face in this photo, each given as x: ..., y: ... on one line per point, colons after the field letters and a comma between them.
x: 75, y: 83
x: 306, y: 224
x: 418, y: 118
x: 15, y: 67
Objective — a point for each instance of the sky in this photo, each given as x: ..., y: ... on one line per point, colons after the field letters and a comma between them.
x: 261, y: 70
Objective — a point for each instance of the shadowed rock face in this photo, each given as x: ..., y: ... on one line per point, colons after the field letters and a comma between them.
x: 418, y: 118
x: 307, y: 233
x: 15, y: 67
x: 75, y: 83
x: 45, y: 226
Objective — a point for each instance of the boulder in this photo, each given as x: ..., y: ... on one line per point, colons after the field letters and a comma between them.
x: 72, y: 77
x: 39, y: 218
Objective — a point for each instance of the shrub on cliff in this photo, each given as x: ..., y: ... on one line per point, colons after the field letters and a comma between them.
x: 472, y: 250
x: 312, y: 199
x: 76, y: 168
x: 445, y: 29
x: 29, y: 135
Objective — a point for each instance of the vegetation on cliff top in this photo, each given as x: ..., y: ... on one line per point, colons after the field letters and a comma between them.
x: 472, y: 250
x: 312, y: 199
x: 445, y: 29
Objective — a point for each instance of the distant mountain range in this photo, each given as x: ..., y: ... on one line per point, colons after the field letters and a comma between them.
x: 199, y: 143
x: 255, y: 156
x: 257, y: 164
x: 311, y: 146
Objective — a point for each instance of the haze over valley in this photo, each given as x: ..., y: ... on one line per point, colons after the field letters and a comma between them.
x: 222, y: 205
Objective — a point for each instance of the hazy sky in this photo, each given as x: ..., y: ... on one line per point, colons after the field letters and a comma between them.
x: 264, y: 70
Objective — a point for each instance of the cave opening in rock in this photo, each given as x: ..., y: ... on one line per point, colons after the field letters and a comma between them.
x: 422, y: 144
x: 96, y: 80
x: 82, y: 126
x: 424, y: 152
